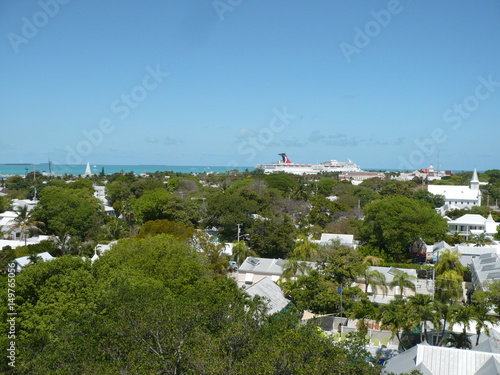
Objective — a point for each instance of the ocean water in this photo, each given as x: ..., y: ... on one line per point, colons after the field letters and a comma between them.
x: 22, y: 169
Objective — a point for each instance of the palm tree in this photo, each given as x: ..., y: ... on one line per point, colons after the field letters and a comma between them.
x: 480, y: 240
x: 63, y: 242
x: 127, y: 212
x: 305, y: 249
x: 292, y: 268
x: 374, y: 279
x: 362, y: 309
x: 400, y: 318
x: 373, y: 260
x: 402, y: 280
x: 425, y: 308
x: 457, y: 340
x: 241, y: 251
x: 449, y: 260
x: 443, y: 315
x: 481, y: 314
x: 24, y: 223
x: 449, y: 286
x: 33, y: 258
x: 463, y: 315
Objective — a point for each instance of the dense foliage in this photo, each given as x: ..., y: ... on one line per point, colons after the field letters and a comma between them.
x: 392, y: 224
x: 152, y: 306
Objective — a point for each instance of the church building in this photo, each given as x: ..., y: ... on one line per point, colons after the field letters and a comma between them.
x: 459, y: 197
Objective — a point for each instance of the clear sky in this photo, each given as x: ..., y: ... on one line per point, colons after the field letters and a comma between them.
x: 388, y: 84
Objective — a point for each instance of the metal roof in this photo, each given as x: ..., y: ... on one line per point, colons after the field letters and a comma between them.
x: 272, y: 293
x: 437, y: 360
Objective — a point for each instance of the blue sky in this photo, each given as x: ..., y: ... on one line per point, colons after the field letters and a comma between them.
x: 388, y: 84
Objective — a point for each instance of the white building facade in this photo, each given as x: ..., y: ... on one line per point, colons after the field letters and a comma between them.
x: 461, y: 197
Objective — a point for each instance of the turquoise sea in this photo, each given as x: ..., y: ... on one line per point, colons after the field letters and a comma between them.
x: 22, y: 169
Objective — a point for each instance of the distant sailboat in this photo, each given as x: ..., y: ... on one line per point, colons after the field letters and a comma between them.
x: 88, y: 172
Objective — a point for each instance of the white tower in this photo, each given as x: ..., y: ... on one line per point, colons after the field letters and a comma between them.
x: 474, y: 183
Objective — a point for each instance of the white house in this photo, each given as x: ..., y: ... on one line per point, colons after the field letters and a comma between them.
x: 462, y: 197
x: 344, y: 239
x: 22, y: 262
x: 7, y: 219
x: 380, y: 295
x: 100, y: 193
x: 484, y: 269
x: 252, y: 270
x: 473, y: 224
x: 18, y: 203
x: 438, y: 360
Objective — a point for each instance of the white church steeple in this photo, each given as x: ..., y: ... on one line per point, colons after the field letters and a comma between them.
x: 474, y: 183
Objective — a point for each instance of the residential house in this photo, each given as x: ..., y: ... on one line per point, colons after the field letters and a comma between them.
x: 380, y: 295
x: 438, y: 360
x: 472, y: 224
x: 343, y: 239
x: 272, y: 294
x: 484, y: 269
x: 22, y: 262
x: 252, y: 270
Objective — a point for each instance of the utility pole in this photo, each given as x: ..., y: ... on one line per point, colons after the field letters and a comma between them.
x: 238, y: 231
x: 340, y: 291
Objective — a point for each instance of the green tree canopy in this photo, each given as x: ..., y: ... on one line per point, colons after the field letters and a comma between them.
x: 156, y: 227
x: 73, y: 211
x: 434, y: 200
x: 4, y: 204
x: 339, y: 263
x: 391, y: 224
x: 273, y: 237
x: 154, y: 306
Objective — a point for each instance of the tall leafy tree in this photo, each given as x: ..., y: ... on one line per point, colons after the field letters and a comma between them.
x: 294, y: 268
x: 226, y: 211
x: 273, y: 237
x: 391, y: 224
x: 73, y: 211
x: 444, y: 313
x: 340, y: 263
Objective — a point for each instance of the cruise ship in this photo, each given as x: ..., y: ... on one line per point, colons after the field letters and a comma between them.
x: 286, y: 165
